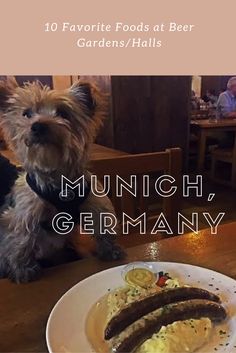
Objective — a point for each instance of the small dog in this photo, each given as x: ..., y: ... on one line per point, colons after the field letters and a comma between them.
x: 50, y: 132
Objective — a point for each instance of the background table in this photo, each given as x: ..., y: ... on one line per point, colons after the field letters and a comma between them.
x: 204, y: 129
x: 97, y: 152
x: 24, y: 309
x: 103, y: 152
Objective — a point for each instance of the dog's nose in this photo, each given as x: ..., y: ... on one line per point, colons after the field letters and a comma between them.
x: 39, y: 128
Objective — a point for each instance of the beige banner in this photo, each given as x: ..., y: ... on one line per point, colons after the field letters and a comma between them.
x: 128, y: 37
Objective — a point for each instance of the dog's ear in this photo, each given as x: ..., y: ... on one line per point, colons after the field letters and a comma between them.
x: 7, y: 89
x: 86, y: 95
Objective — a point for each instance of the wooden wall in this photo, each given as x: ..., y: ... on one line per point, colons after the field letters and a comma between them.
x: 217, y: 83
x: 145, y: 113
x: 150, y: 113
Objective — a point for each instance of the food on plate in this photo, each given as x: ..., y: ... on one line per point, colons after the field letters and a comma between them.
x: 178, y: 337
x: 190, y: 309
x: 153, y: 313
x: 140, y: 277
x: 163, y: 278
x: 137, y: 309
x: 139, y: 274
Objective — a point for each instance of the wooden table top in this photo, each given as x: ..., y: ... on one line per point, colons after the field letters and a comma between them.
x: 206, y: 124
x: 103, y: 152
x: 24, y: 309
x: 97, y: 152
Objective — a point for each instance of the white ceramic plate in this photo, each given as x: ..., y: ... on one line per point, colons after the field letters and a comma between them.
x: 66, y: 324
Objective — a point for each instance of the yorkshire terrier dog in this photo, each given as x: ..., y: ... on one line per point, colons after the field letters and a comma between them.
x: 50, y: 132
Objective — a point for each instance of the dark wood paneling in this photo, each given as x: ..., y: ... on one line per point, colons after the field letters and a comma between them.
x: 45, y: 80
x: 132, y: 116
x: 216, y: 83
x: 150, y: 113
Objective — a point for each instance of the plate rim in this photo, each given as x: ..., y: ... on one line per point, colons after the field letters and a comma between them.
x: 109, y: 270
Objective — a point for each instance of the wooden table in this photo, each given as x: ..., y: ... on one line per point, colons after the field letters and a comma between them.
x: 102, y: 152
x: 199, y: 114
x: 97, y: 152
x: 24, y: 309
x: 205, y: 128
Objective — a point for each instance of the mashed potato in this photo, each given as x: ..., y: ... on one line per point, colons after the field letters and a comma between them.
x: 179, y: 337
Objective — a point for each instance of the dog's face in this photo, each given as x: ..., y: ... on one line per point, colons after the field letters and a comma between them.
x: 49, y: 130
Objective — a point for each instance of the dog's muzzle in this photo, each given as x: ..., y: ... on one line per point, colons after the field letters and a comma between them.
x: 38, y: 134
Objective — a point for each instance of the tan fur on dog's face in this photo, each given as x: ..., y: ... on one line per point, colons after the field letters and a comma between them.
x: 50, y: 130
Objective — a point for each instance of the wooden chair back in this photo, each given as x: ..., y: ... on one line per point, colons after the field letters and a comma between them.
x: 168, y: 162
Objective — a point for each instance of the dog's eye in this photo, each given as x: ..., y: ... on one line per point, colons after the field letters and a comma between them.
x: 28, y: 113
x: 63, y: 113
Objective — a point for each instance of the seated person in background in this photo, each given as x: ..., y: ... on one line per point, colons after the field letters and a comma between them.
x: 210, y: 97
x: 226, y: 104
x: 194, y: 101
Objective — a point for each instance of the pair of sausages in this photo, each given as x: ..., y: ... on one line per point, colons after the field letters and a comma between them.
x: 181, y: 303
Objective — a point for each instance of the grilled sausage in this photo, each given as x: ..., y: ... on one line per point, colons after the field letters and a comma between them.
x: 190, y: 309
x: 137, y: 309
